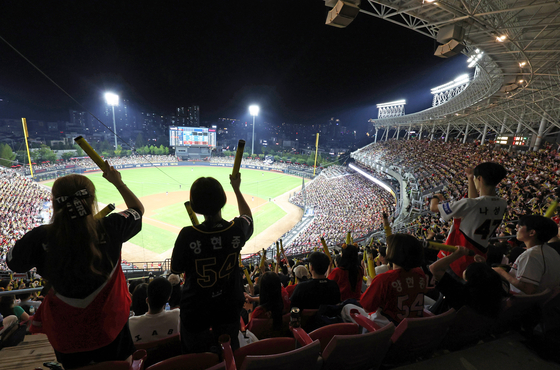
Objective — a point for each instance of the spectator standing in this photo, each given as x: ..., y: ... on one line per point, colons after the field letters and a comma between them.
x: 476, y: 218
x: 208, y: 254
x: 85, y: 313
x: 157, y: 323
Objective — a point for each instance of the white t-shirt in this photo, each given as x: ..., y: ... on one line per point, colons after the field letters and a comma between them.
x: 540, y: 266
x: 148, y: 328
x: 480, y: 217
x: 381, y: 269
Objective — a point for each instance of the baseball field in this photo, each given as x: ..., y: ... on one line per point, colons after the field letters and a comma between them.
x: 163, y: 191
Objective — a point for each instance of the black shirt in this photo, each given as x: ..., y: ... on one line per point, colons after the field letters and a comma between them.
x: 31, y: 250
x: 313, y: 293
x: 209, y: 256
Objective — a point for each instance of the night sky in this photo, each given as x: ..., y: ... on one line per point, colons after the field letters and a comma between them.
x: 219, y: 55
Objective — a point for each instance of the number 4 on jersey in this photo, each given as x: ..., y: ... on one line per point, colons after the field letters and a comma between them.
x: 484, y: 229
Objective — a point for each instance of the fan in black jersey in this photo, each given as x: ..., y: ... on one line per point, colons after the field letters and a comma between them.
x: 208, y: 255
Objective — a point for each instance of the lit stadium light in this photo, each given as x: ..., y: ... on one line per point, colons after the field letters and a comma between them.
x: 112, y: 100
x: 396, y: 102
x: 474, y: 58
x: 501, y: 38
x: 522, y: 64
x: 253, y: 111
x: 450, y: 85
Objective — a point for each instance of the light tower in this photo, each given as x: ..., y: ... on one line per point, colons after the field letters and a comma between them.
x: 448, y: 91
x: 254, y: 111
x: 391, y: 109
x: 112, y: 100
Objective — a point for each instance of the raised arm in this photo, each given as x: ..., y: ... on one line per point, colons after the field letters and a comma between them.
x: 472, y: 192
x: 438, y: 268
x: 242, y: 205
x: 114, y: 177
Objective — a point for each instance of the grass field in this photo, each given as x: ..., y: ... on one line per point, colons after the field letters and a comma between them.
x: 149, y: 181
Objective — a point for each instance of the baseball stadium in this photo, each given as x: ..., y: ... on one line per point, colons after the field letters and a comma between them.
x: 436, y: 244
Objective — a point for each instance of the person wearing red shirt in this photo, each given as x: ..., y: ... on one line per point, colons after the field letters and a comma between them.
x: 349, y: 275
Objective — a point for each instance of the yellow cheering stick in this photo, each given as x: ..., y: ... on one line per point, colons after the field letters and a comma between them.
x: 348, y: 238
x: 246, y: 273
x: 191, y: 213
x: 263, y: 261
x: 238, y: 158
x: 326, y: 249
x: 370, y: 265
x: 105, y: 211
x: 442, y: 247
x: 90, y: 152
x: 551, y: 209
x: 277, y: 250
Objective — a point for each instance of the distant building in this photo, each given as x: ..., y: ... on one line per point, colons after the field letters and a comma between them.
x: 188, y: 116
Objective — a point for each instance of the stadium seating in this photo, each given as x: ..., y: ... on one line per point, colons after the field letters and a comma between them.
x: 162, y: 349
x: 467, y: 329
x: 193, y: 361
x: 418, y: 337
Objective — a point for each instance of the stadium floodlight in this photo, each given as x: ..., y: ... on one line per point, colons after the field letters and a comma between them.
x: 253, y: 111
x: 474, y: 58
x: 390, y: 104
x: 112, y: 100
x: 461, y: 80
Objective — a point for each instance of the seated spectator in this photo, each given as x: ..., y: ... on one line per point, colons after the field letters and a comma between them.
x: 175, y: 300
x: 349, y: 274
x: 382, y: 261
x: 139, y: 297
x: 398, y: 293
x: 538, y: 268
x: 482, y: 288
x: 301, y: 274
x: 319, y: 290
x: 26, y: 303
x: 157, y: 323
x: 8, y: 307
x: 271, y: 303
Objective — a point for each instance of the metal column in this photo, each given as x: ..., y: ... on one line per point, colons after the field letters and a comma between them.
x: 540, y: 133
x: 484, y: 134
x: 466, y: 132
x: 447, y: 134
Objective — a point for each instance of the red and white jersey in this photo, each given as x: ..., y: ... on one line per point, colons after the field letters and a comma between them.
x: 399, y: 294
x: 474, y: 221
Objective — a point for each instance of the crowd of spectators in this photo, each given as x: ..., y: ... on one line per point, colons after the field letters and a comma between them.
x: 86, y: 162
x: 21, y: 203
x: 529, y: 187
x: 277, y: 165
x: 342, y: 201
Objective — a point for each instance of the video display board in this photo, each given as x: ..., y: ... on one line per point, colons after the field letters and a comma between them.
x: 192, y: 136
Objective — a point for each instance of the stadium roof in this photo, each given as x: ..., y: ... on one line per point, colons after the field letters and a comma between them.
x: 516, y: 82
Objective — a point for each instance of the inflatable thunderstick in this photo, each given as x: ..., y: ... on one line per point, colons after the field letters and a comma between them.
x: 90, y: 152
x: 238, y: 158
x: 326, y: 249
x: 192, y: 215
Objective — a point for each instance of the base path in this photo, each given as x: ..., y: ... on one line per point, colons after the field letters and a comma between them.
x: 134, y: 253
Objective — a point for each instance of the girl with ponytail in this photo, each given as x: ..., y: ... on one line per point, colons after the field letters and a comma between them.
x: 85, y: 313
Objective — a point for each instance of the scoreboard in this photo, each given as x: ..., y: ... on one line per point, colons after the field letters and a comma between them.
x: 192, y: 136
x: 513, y: 140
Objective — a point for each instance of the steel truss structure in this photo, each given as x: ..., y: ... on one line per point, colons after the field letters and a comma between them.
x: 516, y: 84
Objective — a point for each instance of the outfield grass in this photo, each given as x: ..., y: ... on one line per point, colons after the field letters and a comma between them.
x: 148, y: 181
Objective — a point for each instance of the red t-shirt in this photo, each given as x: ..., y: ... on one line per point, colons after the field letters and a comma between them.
x: 290, y: 289
x: 399, y: 294
x: 341, y: 277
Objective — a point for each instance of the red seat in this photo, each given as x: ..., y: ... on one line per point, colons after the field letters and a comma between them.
x: 358, y: 351
x: 326, y: 333
x: 270, y: 346
x: 192, y: 361
x: 304, y: 358
x: 520, y: 306
x: 467, y: 329
x: 138, y: 359
x: 162, y: 349
x: 418, y: 337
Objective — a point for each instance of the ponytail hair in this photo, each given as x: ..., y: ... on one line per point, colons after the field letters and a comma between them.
x: 73, y: 236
